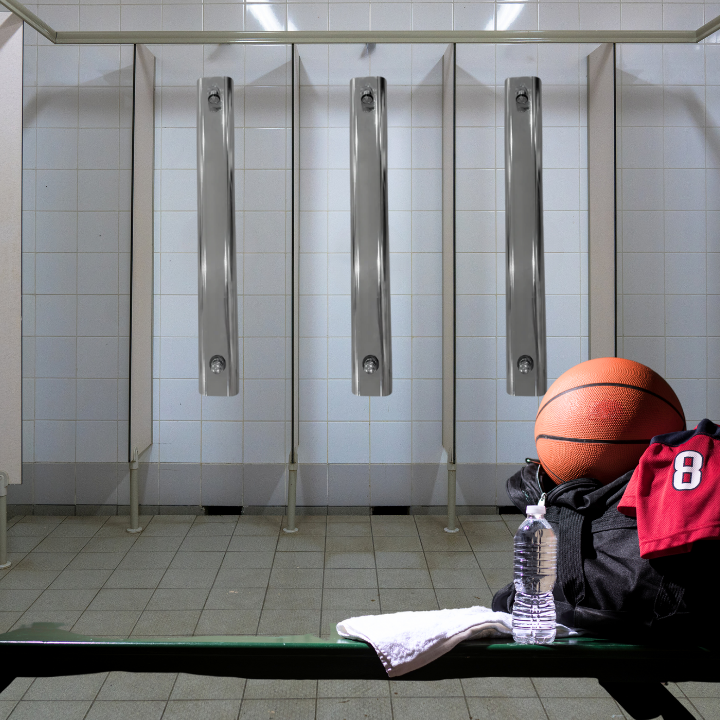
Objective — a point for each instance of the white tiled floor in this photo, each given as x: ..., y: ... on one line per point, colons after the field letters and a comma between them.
x: 217, y: 575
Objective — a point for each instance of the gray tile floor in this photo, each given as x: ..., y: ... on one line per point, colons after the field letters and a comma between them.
x: 218, y: 575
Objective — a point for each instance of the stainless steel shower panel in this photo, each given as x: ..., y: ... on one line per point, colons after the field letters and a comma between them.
x: 525, y: 287
x: 217, y: 276
x: 370, y: 280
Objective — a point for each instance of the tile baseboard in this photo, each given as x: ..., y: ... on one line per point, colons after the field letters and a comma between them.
x: 186, y: 488
x: 15, y: 510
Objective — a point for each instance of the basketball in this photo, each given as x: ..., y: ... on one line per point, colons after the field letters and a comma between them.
x: 597, y: 419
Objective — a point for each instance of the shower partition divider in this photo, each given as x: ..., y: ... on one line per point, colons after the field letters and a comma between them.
x: 140, y: 431
x: 295, y: 298
x: 11, y: 113
x: 448, y: 278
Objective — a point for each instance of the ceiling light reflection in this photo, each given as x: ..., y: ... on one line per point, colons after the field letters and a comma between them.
x: 265, y: 15
x: 506, y: 16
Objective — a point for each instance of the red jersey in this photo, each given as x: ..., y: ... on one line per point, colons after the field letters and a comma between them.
x: 674, y: 491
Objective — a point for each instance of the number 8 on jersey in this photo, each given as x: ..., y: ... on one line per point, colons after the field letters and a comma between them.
x: 687, y: 475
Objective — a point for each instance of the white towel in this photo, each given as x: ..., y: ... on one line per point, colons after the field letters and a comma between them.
x: 406, y: 641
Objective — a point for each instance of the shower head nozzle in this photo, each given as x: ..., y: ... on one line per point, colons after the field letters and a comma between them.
x: 217, y: 364
x: 214, y: 99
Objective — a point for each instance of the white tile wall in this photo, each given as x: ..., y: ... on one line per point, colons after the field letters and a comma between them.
x: 667, y: 239
x: 491, y: 425
x: 76, y: 199
x: 76, y: 249
x: 252, y: 426
x: 336, y: 426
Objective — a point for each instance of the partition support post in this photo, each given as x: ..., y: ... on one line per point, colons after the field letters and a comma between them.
x: 451, y: 508
x: 292, y: 497
x: 448, y: 277
x: 295, y: 297
x: 4, y: 480
x: 134, y: 495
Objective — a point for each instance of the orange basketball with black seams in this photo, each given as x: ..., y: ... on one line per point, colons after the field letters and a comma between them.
x: 597, y: 419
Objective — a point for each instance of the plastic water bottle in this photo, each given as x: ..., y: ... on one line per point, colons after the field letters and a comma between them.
x: 535, y: 570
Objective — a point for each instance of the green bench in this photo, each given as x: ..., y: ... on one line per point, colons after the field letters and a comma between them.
x: 632, y: 674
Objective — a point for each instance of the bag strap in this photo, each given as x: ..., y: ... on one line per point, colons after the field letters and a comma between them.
x: 570, y: 565
x: 668, y: 599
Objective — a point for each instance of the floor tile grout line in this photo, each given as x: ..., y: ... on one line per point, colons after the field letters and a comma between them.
x: 157, y: 586
x: 48, y: 587
x: 537, y: 694
x: 267, y: 584
x: 377, y: 575
x: 76, y: 554
x: 197, y: 622
x: 424, y: 552
x: 322, y: 602
x: 207, y: 597
x: 236, y: 524
x: 95, y: 697
x: 693, y: 705
x: 5, y: 573
x: 108, y: 674
x: 177, y: 675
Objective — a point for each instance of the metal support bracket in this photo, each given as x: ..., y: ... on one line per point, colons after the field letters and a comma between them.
x: 134, y: 495
x: 292, y: 496
x: 4, y: 482
x: 451, y: 519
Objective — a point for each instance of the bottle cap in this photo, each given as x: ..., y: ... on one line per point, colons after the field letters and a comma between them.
x: 535, y: 510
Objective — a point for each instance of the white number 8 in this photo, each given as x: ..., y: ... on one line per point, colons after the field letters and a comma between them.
x: 693, y: 470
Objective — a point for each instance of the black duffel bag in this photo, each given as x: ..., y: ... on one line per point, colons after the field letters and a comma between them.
x: 603, y: 585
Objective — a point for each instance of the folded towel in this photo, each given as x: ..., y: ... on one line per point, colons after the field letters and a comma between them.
x: 406, y: 641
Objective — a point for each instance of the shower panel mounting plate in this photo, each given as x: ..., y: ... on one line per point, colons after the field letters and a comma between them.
x: 370, y: 252
x: 217, y: 274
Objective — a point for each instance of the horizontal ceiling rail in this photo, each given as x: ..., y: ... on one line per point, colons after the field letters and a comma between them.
x: 707, y: 29
x: 317, y: 37
x: 31, y: 19
x: 321, y: 37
